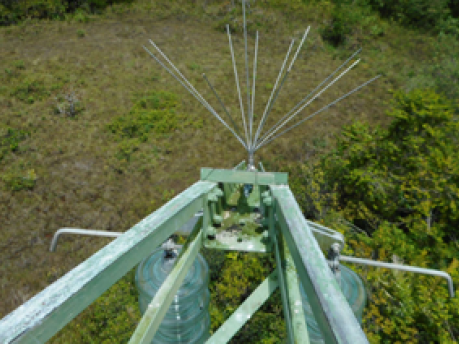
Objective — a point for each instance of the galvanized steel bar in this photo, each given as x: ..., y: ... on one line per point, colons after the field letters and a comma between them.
x: 245, y: 311
x: 413, y: 269
x: 91, y: 232
x: 157, y: 309
x: 332, y: 311
x: 46, y: 313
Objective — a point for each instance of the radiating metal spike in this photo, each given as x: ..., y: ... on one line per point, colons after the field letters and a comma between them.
x: 309, y: 95
x: 200, y: 99
x: 249, y: 116
x: 237, y: 85
x: 317, y: 112
x: 223, y: 105
x: 309, y: 102
x: 260, y: 125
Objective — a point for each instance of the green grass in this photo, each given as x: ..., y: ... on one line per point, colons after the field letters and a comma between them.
x: 86, y: 176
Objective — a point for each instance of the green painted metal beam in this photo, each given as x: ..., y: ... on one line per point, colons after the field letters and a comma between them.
x: 42, y: 316
x: 161, y: 302
x: 280, y: 268
x: 244, y: 177
x: 299, y: 328
x: 245, y: 311
x: 332, y: 311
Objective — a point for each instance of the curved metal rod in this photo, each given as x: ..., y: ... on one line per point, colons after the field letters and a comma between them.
x: 414, y: 269
x: 92, y: 232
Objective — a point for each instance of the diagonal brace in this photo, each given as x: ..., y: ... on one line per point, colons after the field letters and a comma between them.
x: 158, y: 307
x: 245, y: 311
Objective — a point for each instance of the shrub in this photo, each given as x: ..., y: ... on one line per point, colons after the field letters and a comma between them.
x: 17, y: 182
x: 152, y: 113
x: 341, y: 25
x: 9, y: 140
x: 416, y: 13
x: 401, y: 184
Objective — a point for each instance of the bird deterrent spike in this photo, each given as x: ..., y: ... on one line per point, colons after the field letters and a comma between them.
x: 223, y: 105
x: 272, y: 92
x: 283, y: 79
x: 309, y: 102
x: 253, y: 86
x: 237, y: 84
x: 317, y: 112
x: 247, y: 74
x: 200, y: 99
x: 309, y: 95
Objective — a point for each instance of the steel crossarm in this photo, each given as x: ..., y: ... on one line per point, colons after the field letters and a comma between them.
x: 46, y: 313
x: 333, y: 314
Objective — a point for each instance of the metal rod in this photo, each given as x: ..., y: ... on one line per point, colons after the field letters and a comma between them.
x: 309, y: 102
x: 247, y: 73
x: 272, y: 92
x: 253, y: 85
x: 237, y: 85
x: 317, y: 112
x: 208, y: 107
x: 299, y: 48
x: 285, y: 77
x: 221, y: 103
x: 312, y: 92
x: 414, y: 269
x: 185, y: 79
x: 92, y: 232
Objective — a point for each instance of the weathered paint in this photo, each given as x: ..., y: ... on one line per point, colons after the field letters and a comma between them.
x: 245, y: 311
x: 41, y: 317
x: 300, y: 330
x: 280, y: 268
x: 161, y: 302
x: 333, y: 313
x: 246, y: 177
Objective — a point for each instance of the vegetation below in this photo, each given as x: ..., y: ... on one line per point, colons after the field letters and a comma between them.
x: 94, y: 134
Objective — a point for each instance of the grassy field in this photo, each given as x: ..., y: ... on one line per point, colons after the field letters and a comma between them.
x: 71, y: 170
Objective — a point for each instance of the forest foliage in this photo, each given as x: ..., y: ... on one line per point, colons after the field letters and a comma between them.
x: 399, y: 187
x: 392, y: 190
